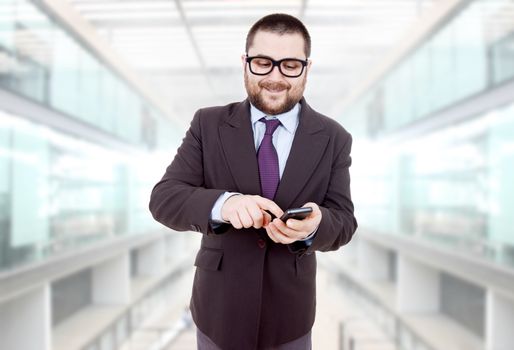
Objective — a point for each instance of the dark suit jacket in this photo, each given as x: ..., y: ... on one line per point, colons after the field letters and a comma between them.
x: 248, y: 291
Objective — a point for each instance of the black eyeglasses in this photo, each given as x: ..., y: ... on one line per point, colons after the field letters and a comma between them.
x: 290, y: 67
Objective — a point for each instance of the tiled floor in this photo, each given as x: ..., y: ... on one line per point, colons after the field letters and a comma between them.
x: 186, y: 341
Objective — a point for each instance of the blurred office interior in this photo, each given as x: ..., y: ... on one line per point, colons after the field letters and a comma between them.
x: 96, y: 95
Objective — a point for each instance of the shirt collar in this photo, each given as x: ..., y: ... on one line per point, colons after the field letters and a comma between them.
x: 289, y: 119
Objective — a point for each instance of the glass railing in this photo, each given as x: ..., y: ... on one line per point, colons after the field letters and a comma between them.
x: 58, y: 192
x: 470, y: 53
x: 453, y: 187
x: 42, y: 61
x: 400, y: 333
x: 118, y: 333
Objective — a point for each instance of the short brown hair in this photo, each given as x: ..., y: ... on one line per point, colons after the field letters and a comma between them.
x: 280, y: 23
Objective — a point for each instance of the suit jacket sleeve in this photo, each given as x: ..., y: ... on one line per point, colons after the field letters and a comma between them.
x: 179, y: 200
x: 338, y: 222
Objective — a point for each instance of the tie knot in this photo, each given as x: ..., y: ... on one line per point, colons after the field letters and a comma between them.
x: 271, y: 125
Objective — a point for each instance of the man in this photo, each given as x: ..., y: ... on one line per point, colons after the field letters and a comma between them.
x: 238, y: 165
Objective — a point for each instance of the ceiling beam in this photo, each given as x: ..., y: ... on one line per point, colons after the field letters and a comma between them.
x: 196, y: 47
x: 319, y: 21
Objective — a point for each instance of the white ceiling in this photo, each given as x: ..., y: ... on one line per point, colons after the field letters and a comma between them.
x: 189, y: 50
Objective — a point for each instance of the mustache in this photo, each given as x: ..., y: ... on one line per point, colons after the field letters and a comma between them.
x: 274, y: 85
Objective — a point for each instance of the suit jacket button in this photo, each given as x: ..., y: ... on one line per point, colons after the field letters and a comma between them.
x: 261, y: 243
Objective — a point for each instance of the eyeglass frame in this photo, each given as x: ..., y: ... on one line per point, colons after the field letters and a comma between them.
x: 274, y: 64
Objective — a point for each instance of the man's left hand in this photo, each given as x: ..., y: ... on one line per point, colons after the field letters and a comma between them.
x: 294, y: 230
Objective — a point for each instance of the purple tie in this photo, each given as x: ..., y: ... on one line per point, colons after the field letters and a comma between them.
x: 268, y: 160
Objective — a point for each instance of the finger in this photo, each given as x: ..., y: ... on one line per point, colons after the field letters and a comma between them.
x: 271, y: 235
x: 256, y: 214
x: 267, y: 204
x: 315, y: 209
x: 234, y: 220
x: 297, y: 225
x: 245, y: 218
x: 286, y: 231
x: 301, y: 225
x: 274, y: 234
x: 266, y: 219
x: 280, y: 235
x: 314, y: 219
x: 282, y: 227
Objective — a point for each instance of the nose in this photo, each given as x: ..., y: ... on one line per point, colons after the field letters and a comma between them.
x: 275, y: 74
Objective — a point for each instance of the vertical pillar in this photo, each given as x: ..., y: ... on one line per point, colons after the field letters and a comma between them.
x: 111, y: 281
x: 25, y: 322
x: 373, y: 261
x: 499, y: 321
x: 150, y: 259
x: 418, y: 286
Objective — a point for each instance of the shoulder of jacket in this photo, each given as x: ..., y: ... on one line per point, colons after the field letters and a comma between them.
x: 331, y: 125
x: 217, y: 110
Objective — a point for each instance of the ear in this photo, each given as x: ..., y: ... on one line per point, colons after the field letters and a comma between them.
x: 243, y: 60
x: 308, y: 67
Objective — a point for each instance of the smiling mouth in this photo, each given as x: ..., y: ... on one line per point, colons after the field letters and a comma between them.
x: 274, y: 91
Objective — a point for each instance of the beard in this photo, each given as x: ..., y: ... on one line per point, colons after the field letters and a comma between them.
x: 274, y: 105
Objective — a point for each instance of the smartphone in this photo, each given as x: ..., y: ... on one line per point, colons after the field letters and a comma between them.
x: 296, y: 213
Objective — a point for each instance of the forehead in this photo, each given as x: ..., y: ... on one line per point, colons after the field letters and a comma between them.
x: 277, y: 46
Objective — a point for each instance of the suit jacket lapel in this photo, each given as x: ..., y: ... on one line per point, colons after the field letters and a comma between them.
x: 238, y: 145
x: 306, y: 152
x: 237, y: 140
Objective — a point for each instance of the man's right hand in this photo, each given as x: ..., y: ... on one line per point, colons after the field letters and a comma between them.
x: 249, y: 211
